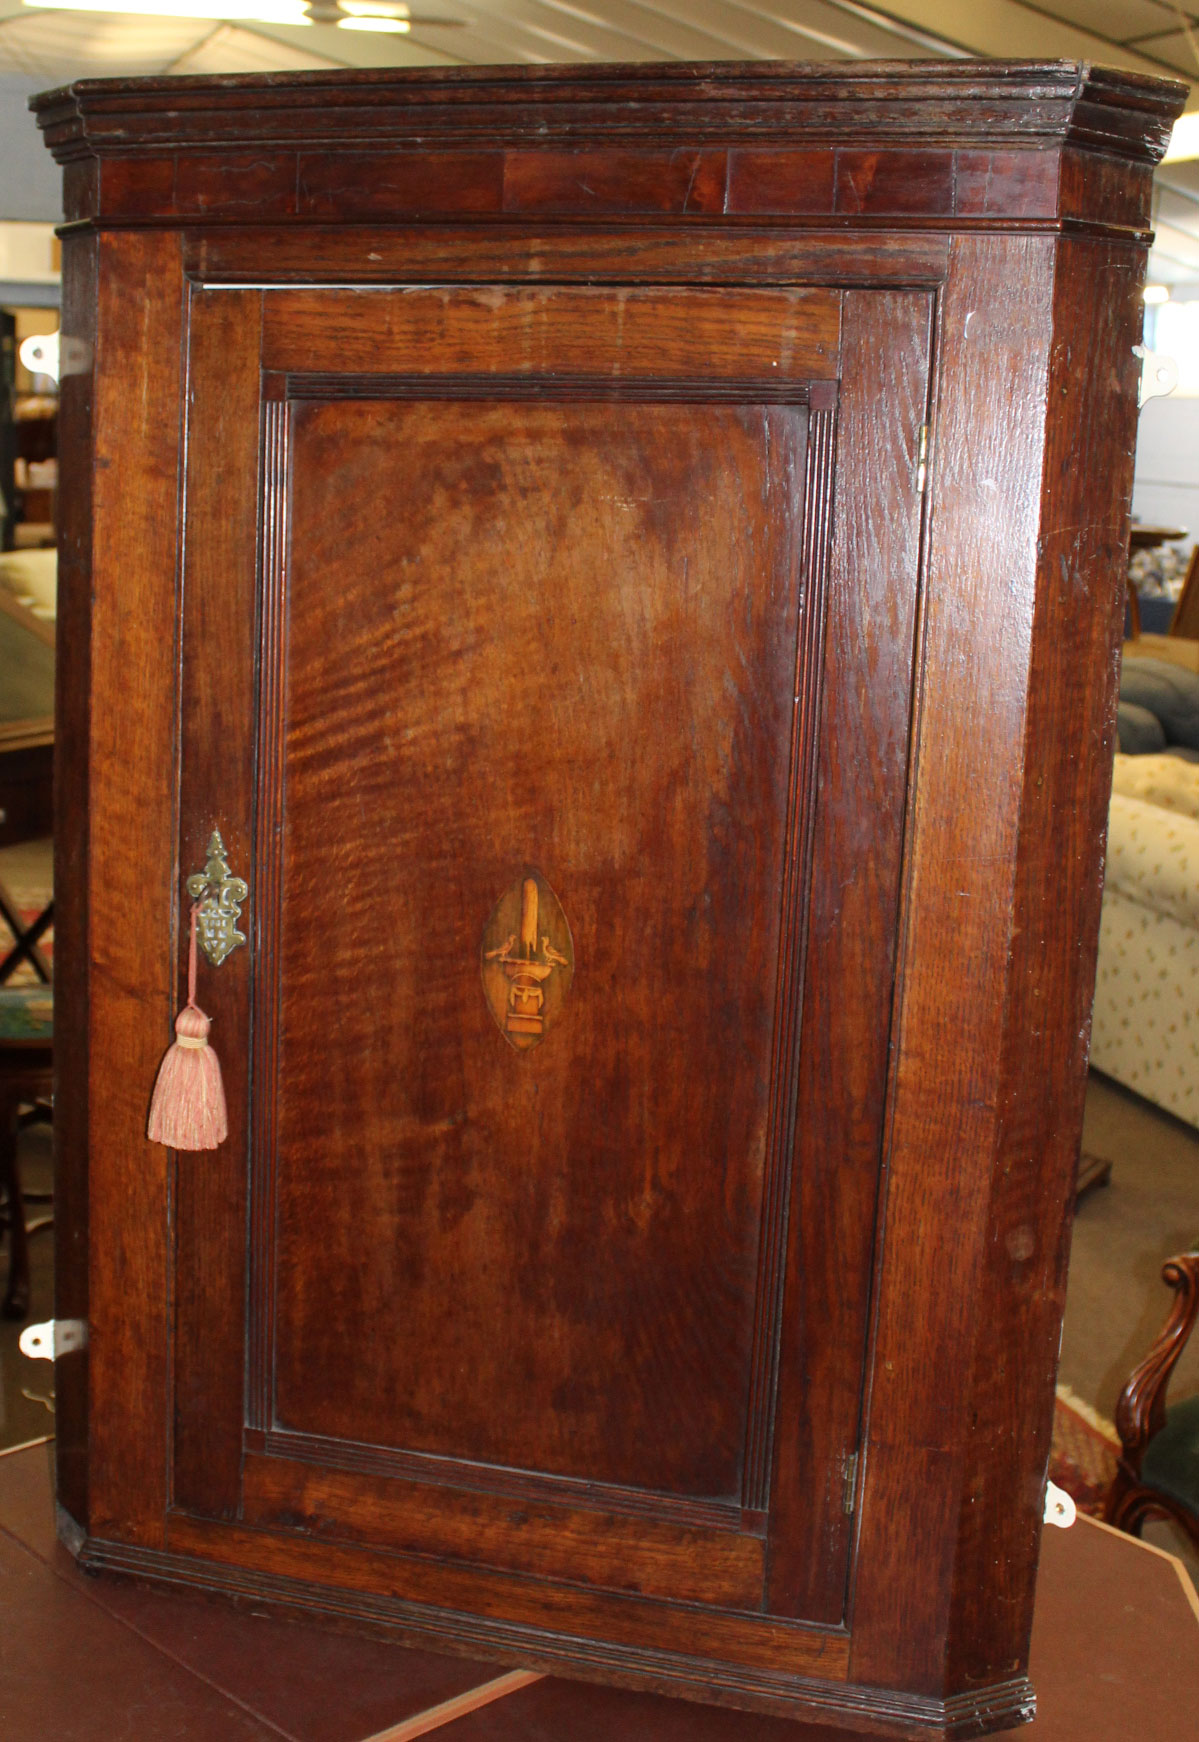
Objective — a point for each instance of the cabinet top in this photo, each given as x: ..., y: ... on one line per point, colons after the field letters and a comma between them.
x: 760, y: 102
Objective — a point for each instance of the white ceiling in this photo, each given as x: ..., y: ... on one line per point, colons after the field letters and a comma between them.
x: 1146, y: 35
x: 1154, y: 36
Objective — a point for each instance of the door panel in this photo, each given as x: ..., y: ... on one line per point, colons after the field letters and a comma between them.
x: 537, y: 784
x: 512, y: 655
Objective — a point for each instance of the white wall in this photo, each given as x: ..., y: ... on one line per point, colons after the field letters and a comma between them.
x: 30, y: 180
x: 1166, y: 481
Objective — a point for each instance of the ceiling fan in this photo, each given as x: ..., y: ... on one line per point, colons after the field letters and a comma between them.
x: 391, y: 17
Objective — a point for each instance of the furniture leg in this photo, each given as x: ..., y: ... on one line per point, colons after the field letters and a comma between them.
x: 1093, y: 1170
x: 16, y: 1295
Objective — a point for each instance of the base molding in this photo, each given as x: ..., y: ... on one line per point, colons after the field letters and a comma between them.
x: 849, y: 1705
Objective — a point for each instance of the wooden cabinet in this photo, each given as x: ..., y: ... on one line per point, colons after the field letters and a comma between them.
x: 631, y: 561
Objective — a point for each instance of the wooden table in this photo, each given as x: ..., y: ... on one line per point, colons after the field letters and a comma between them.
x: 1142, y: 536
x: 1115, y: 1656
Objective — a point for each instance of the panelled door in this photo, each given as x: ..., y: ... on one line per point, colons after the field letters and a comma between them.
x: 548, y: 662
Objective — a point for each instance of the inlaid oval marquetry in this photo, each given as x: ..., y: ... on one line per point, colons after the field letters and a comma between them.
x: 528, y: 961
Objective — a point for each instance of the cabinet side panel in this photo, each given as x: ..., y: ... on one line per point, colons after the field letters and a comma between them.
x: 132, y: 874
x: 71, y: 851
x: 1067, y: 781
x: 984, y: 481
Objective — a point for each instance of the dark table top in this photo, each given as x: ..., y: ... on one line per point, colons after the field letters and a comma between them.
x: 1115, y: 1658
x: 1144, y: 537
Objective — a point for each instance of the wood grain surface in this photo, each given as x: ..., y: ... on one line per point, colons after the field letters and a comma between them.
x: 525, y: 253
x: 130, y: 871
x: 72, y: 766
x: 1069, y: 737
x: 680, y: 139
x: 762, y: 334
x: 845, y: 1047
x: 218, y: 686
x: 209, y: 1664
x: 956, y: 939
x: 633, y: 1553
x: 480, y: 667
x: 436, y: 1596
x: 687, y: 492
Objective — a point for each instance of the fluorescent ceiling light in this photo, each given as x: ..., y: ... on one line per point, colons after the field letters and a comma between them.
x: 1184, y: 141
x: 387, y: 16
x: 260, y: 11
x: 382, y: 15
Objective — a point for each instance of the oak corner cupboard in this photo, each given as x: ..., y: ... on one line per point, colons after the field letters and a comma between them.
x: 608, y: 579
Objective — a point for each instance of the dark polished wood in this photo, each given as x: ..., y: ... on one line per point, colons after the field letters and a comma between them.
x: 221, y: 1671
x: 632, y: 560
x: 1141, y: 1415
x: 930, y: 141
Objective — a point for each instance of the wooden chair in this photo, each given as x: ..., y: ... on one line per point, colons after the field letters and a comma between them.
x: 1134, y: 611
x: 1185, y: 621
x: 26, y: 1081
x: 26, y: 1088
x: 1158, y: 1472
x: 26, y: 1011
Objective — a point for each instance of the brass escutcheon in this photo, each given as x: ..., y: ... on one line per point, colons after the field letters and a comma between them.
x: 219, y: 896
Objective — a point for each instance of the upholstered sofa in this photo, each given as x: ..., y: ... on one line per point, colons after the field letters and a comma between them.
x: 31, y: 577
x: 1145, y: 1031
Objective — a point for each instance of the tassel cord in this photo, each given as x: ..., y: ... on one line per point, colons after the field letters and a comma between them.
x: 191, y: 961
x: 187, y: 1108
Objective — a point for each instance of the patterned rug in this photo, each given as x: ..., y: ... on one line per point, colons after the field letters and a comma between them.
x: 1085, y: 1449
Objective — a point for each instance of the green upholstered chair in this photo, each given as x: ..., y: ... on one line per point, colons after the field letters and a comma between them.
x: 26, y: 1073
x: 1158, y: 1472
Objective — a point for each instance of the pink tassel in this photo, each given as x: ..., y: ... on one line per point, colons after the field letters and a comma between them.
x: 188, y: 1107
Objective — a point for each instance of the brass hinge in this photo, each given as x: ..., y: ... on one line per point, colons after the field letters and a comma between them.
x: 850, y: 1471
x: 922, y: 460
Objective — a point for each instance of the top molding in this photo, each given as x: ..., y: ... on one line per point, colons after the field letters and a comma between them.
x: 778, y: 103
